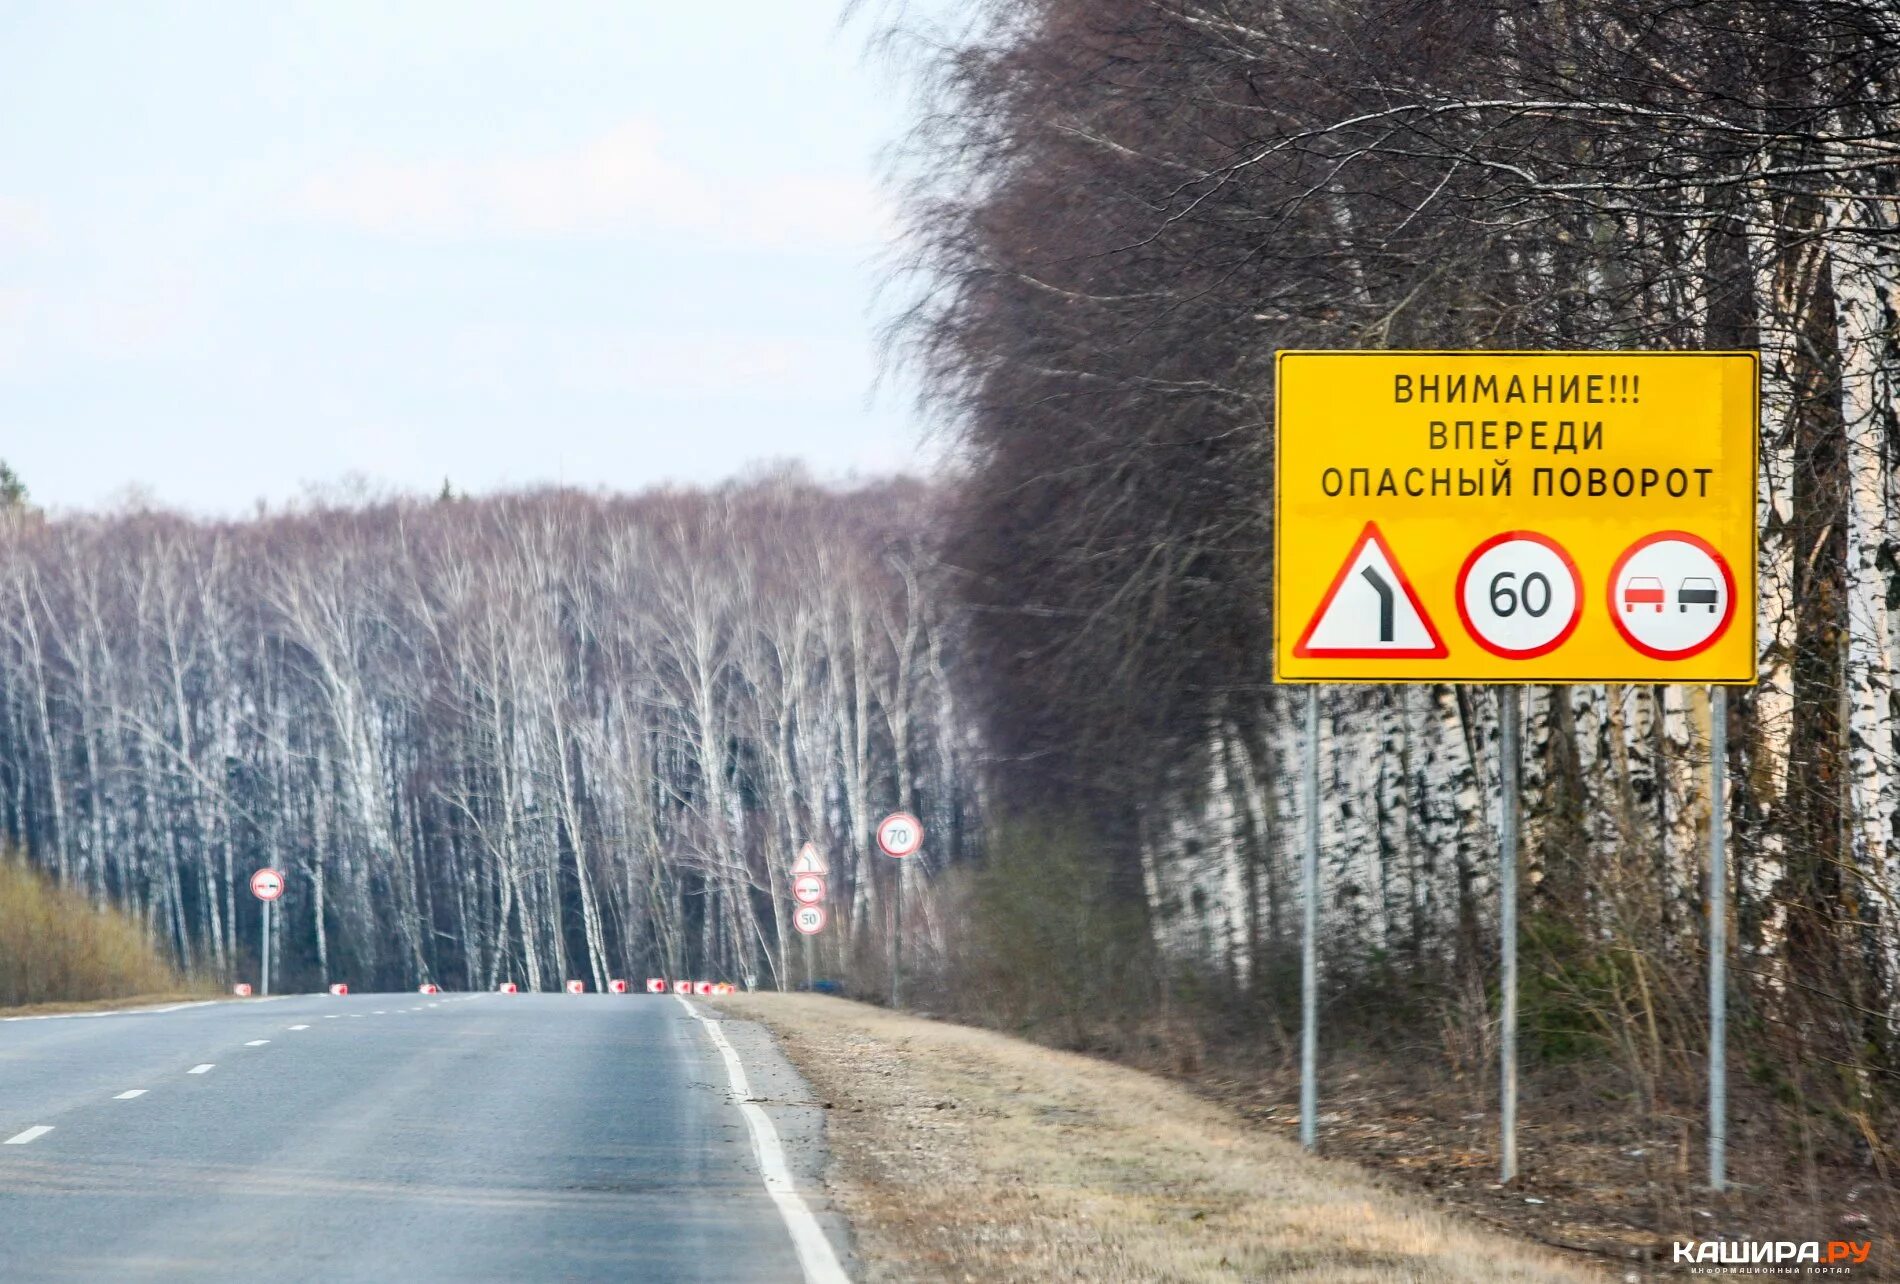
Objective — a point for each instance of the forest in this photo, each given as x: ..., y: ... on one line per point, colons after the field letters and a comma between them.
x: 534, y: 738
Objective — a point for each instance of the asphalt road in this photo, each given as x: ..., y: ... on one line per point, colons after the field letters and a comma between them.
x: 397, y: 1137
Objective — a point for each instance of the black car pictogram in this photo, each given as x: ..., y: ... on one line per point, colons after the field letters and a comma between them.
x: 1698, y: 591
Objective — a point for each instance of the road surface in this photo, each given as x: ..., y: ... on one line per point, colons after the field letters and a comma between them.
x: 397, y: 1137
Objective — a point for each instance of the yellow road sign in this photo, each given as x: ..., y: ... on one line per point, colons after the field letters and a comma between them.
x: 1515, y: 517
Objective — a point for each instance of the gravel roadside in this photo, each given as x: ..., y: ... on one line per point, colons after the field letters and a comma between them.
x: 961, y: 1154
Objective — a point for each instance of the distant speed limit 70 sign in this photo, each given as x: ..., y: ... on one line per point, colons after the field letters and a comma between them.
x: 900, y: 834
x: 1515, y: 517
x: 267, y: 884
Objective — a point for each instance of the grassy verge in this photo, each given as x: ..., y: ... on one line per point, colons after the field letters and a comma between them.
x: 56, y: 947
x: 962, y: 1154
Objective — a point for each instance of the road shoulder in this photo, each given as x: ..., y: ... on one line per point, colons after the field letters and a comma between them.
x: 960, y: 1153
x: 797, y: 1114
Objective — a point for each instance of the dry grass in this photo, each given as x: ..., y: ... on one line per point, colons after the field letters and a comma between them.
x: 962, y: 1154
x: 56, y: 948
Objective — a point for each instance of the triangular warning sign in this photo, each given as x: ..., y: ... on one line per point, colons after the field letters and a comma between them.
x: 1371, y: 611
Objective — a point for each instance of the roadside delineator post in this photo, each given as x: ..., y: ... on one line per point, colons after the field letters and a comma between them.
x: 617, y: 985
x: 656, y: 985
x: 577, y: 987
x: 507, y: 987
x: 340, y: 989
x: 242, y: 990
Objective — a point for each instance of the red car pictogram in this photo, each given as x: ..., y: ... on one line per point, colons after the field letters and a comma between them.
x: 1643, y: 590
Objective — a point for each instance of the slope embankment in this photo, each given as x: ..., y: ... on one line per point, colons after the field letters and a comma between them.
x: 58, y: 950
x: 962, y: 1154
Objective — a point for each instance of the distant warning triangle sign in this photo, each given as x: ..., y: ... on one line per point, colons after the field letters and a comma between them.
x: 1371, y: 611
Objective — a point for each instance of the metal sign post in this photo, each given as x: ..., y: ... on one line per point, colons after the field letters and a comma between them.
x: 267, y: 885
x: 897, y: 942
x: 1309, y: 936
x: 899, y: 835
x: 1508, y: 825
x: 1718, y: 938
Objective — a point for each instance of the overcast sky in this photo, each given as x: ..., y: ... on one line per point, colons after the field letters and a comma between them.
x: 248, y: 247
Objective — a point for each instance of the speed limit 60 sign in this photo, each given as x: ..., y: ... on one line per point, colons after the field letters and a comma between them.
x: 1515, y: 517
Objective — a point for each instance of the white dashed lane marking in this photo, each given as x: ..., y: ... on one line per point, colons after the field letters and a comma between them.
x: 300, y: 1027
x: 21, y: 1138
x: 130, y: 1093
x: 257, y: 1043
x: 200, y: 1069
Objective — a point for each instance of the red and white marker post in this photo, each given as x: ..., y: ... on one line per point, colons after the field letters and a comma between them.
x: 656, y: 985
x: 340, y: 990
x: 899, y: 834
x: 267, y: 885
x: 617, y: 985
x: 426, y: 988
x: 507, y: 987
x: 703, y: 989
x: 242, y: 990
x: 577, y: 987
x: 682, y: 987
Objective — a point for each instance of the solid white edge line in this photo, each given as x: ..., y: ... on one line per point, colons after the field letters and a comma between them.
x: 21, y: 1138
x: 116, y: 1012
x: 129, y: 1093
x: 815, y: 1255
x: 201, y: 1069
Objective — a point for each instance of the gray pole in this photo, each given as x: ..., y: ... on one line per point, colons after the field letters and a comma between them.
x: 1718, y: 938
x: 264, y: 906
x: 1309, y: 935
x: 897, y: 938
x: 1507, y: 930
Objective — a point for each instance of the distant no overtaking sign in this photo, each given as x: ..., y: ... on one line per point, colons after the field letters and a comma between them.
x: 900, y: 834
x: 267, y: 884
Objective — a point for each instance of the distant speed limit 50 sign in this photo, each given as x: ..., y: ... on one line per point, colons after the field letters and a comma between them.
x: 1515, y: 517
x: 267, y: 884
